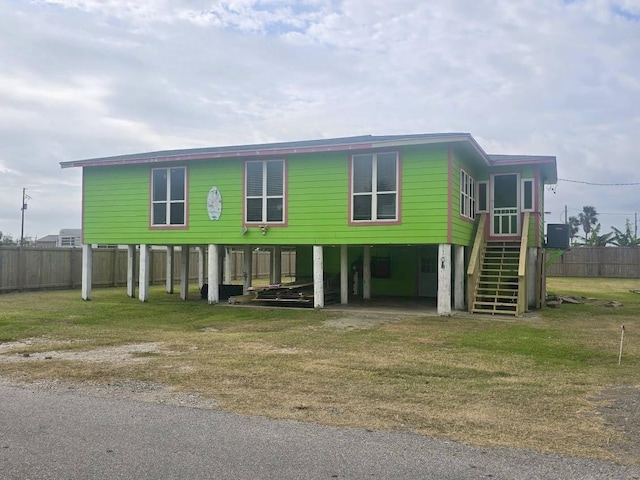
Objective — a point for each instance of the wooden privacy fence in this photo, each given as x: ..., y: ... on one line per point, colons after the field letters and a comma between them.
x: 603, y: 262
x: 60, y: 268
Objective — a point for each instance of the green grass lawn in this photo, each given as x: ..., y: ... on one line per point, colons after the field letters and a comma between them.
x: 524, y: 382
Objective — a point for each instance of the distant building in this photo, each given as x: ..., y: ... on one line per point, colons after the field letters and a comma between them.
x: 48, y: 241
x: 68, y: 237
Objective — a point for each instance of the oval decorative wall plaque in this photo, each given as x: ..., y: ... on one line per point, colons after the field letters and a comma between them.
x: 214, y: 204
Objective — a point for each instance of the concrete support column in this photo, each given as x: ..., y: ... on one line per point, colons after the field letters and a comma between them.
x: 344, y: 275
x: 184, y: 273
x: 169, y: 280
x: 248, y: 268
x: 131, y: 271
x: 276, y: 266
x: 87, y: 267
x: 202, y: 267
x: 366, y: 273
x: 214, y: 274
x: 318, y: 277
x: 458, y: 278
x: 227, y: 265
x: 444, y: 279
x: 143, y: 274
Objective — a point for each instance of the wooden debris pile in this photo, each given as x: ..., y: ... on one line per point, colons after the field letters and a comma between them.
x: 289, y: 294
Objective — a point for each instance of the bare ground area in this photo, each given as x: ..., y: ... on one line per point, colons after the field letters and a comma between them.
x: 126, y: 389
x: 620, y: 409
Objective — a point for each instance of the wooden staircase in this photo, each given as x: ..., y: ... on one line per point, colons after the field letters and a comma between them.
x: 496, y: 290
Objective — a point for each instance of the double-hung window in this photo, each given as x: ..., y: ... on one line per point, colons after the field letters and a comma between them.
x: 374, y: 187
x: 168, y: 197
x: 527, y: 199
x: 467, y: 196
x: 265, y: 191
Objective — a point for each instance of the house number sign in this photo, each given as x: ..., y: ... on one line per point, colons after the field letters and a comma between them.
x: 214, y: 203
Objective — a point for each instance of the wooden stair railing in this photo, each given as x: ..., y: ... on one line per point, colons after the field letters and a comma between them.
x: 475, y: 262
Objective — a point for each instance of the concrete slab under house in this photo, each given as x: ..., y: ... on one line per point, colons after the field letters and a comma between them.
x: 420, y: 216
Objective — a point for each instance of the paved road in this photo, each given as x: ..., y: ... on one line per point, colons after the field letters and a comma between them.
x: 47, y: 435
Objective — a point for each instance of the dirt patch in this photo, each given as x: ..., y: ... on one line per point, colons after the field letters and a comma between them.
x: 620, y: 409
x: 260, y: 347
x: 135, y: 353
x: 125, y: 354
x: 361, y: 322
x: 127, y: 389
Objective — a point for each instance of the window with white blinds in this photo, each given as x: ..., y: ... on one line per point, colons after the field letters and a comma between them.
x: 374, y: 187
x: 264, y: 191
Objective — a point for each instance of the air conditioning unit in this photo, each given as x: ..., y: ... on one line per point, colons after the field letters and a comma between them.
x: 558, y: 236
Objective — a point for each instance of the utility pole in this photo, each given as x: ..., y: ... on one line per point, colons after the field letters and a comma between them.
x: 24, y: 207
x: 566, y: 218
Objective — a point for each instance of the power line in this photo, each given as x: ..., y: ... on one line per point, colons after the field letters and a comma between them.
x: 602, y: 213
x: 600, y: 184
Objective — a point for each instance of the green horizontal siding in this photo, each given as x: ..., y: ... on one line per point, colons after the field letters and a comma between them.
x: 462, y: 229
x: 116, y: 203
x: 402, y: 261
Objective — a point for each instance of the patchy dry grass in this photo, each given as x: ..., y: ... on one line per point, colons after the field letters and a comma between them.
x: 510, y: 382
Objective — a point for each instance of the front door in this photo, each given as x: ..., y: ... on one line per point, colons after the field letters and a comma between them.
x: 428, y: 272
x: 505, y: 211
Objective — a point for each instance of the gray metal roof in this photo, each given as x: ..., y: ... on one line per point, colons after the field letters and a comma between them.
x: 362, y: 142
x: 521, y: 158
x: 327, y: 144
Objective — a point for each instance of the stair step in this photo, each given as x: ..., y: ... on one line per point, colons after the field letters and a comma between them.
x: 495, y: 296
x: 497, y: 304
x: 501, y: 279
x: 497, y: 290
x: 494, y: 312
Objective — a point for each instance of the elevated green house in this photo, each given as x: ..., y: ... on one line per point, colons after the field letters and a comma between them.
x: 427, y: 215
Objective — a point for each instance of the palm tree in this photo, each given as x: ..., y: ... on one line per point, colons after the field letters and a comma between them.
x: 574, y: 224
x: 588, y: 218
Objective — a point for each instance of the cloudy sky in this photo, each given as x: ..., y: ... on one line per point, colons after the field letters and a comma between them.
x: 91, y: 78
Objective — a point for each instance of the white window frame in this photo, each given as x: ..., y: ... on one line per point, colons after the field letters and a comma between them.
x: 67, y: 241
x: 533, y: 194
x: 265, y: 197
x: 374, y: 190
x: 486, y: 196
x: 467, y: 195
x: 169, y: 201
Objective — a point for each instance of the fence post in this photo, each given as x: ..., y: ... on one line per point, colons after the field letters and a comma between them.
x: 114, y: 263
x: 20, y: 266
x: 71, y: 285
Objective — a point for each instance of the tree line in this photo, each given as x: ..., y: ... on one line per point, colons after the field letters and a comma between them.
x: 9, y: 241
x: 587, y: 221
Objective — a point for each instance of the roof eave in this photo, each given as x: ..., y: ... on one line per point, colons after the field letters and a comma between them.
x: 241, y: 152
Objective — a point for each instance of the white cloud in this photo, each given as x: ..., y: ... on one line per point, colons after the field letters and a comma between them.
x: 87, y: 78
